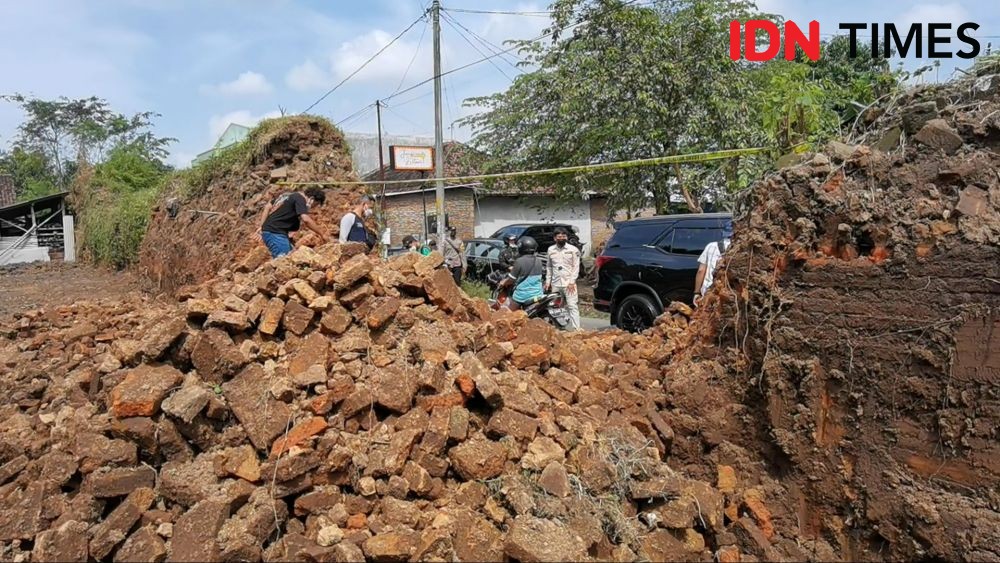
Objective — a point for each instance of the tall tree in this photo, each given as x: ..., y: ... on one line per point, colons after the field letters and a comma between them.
x: 619, y: 81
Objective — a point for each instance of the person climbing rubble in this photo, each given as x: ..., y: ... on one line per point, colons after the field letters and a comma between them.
x: 286, y: 215
x: 709, y: 260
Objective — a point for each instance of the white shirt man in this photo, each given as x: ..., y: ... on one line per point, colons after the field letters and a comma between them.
x: 708, y: 261
x: 563, y: 270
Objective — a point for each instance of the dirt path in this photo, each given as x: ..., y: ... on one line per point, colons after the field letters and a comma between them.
x: 32, y: 286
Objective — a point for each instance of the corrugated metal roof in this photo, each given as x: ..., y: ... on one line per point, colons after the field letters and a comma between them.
x: 17, y: 208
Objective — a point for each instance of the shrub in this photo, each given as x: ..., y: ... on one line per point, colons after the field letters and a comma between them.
x: 114, y: 226
x: 119, y: 199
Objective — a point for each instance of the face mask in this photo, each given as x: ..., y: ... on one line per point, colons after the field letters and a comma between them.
x: 560, y: 243
x: 369, y: 212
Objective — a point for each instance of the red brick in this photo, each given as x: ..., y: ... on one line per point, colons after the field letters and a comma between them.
x: 118, y: 482
x: 296, y: 317
x: 298, y: 434
x: 478, y: 459
x: 109, y: 533
x: 270, y: 319
x: 383, y: 313
x: 142, y: 390
x: 263, y: 417
x: 507, y: 422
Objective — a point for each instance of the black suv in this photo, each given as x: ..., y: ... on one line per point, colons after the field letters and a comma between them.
x: 543, y: 233
x: 650, y: 262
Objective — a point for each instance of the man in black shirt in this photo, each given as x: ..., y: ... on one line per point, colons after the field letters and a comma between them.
x: 286, y: 215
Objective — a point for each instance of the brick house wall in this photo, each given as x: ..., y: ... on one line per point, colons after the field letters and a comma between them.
x: 7, y: 195
x: 405, y: 213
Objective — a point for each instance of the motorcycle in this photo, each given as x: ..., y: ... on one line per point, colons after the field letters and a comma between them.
x: 550, y: 307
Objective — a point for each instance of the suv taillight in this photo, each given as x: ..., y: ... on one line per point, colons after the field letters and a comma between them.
x: 600, y: 261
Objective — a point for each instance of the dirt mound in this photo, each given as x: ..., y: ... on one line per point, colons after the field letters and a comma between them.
x: 864, y: 312
x: 217, y: 204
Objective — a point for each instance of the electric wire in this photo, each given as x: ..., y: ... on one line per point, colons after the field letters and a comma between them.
x: 447, y: 20
x: 366, y: 63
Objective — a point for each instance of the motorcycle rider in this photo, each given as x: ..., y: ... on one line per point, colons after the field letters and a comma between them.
x: 509, y: 253
x: 526, y: 275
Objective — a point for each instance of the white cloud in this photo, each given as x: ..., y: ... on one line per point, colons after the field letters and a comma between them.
x: 307, y: 76
x: 951, y: 12
x: 389, y: 66
x: 217, y: 123
x: 247, y: 84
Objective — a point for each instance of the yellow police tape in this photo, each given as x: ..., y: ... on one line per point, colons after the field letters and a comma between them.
x: 672, y: 159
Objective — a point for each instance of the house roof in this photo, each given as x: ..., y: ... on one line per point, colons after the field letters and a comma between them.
x: 18, y: 209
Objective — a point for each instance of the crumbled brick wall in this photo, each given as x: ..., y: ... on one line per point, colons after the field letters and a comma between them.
x: 6, y: 190
x: 405, y: 213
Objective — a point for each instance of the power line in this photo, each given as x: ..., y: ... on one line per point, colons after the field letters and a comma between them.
x: 420, y: 43
x: 508, y: 50
x: 447, y: 20
x: 491, y: 47
x: 355, y: 115
x: 364, y: 64
x: 499, y: 12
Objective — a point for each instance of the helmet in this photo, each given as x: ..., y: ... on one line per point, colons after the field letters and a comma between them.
x: 509, y: 238
x: 527, y: 245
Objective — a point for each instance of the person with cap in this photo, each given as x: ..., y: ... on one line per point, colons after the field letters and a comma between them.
x: 352, y: 224
x: 410, y: 244
x: 709, y: 260
x: 286, y: 215
x: 563, y: 271
x: 509, y: 253
x: 454, y: 258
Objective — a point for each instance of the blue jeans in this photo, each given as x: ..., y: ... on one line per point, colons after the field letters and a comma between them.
x: 279, y: 245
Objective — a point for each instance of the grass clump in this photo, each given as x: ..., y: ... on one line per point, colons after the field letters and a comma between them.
x: 476, y: 289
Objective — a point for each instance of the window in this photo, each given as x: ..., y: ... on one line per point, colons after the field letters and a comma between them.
x: 432, y: 223
x: 473, y: 248
x: 492, y: 252
x: 690, y: 241
x: 636, y: 234
x: 512, y: 230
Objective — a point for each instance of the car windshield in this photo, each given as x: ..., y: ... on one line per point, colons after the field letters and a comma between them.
x: 513, y: 230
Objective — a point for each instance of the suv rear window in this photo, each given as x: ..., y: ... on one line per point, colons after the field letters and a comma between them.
x: 690, y: 241
x: 636, y: 234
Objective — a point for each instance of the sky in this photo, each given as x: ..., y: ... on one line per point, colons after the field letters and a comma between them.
x: 203, y: 64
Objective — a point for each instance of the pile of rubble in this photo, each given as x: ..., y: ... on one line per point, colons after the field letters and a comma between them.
x: 327, y: 406
x: 834, y: 398
x: 192, y: 236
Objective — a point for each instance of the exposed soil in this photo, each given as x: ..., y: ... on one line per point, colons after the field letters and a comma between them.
x: 57, y: 284
x: 194, y: 246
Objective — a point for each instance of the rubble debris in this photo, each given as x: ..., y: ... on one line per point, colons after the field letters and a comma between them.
x: 330, y: 406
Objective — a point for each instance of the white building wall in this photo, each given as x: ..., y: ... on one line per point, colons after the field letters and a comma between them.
x: 495, y: 212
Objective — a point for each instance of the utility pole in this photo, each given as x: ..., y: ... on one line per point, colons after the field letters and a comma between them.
x: 438, y: 128
x: 381, y: 162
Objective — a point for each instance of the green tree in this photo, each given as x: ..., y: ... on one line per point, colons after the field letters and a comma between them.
x: 628, y: 82
x: 71, y: 132
x: 33, y: 177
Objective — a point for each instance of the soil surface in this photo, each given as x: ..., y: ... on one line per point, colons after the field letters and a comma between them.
x: 57, y: 284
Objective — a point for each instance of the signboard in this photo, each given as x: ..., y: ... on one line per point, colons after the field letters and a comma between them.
x: 411, y: 158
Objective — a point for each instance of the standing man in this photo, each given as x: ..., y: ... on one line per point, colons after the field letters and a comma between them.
x: 709, y: 260
x: 352, y: 224
x: 286, y: 215
x: 563, y: 270
x: 454, y: 258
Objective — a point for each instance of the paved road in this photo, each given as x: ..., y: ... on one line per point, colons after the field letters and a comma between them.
x: 588, y: 323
